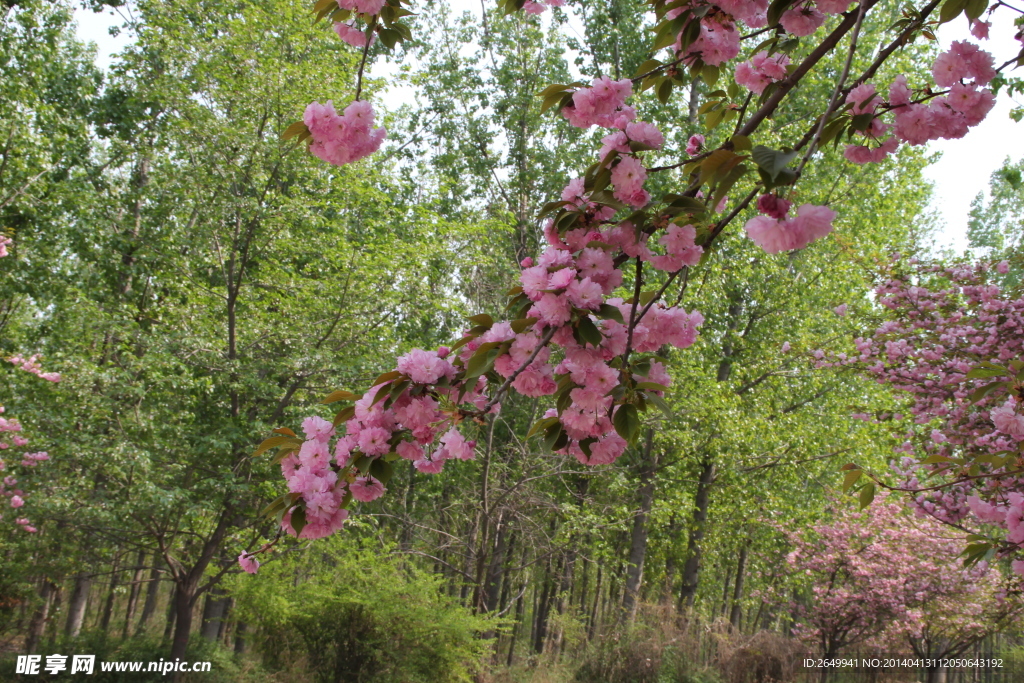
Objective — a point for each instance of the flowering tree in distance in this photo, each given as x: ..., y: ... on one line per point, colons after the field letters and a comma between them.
x: 954, y: 346
x: 586, y: 321
x: 882, y: 580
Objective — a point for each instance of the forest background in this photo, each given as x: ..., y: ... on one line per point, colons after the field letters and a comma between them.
x: 197, y: 282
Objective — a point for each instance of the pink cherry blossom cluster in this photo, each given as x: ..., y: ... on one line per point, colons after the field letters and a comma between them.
x: 533, y: 7
x: 602, y: 104
x: 946, y: 322
x: 718, y: 42
x: 417, y: 411
x: 964, y: 69
x: 368, y: 7
x: 31, y: 364
x: 775, y: 232
x: 350, y: 34
x: 5, y: 242
x: 879, y: 577
x: 761, y: 70
x: 342, y: 139
x: 7, y: 486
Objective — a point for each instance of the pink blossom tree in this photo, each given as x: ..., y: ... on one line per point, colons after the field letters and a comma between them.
x: 885, y: 579
x: 589, y: 314
x: 952, y: 346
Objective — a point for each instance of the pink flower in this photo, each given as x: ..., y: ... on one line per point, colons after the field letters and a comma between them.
x: 429, y: 466
x: 1003, y: 267
x: 249, y: 563
x: 350, y: 34
x: 409, y: 450
x: 628, y: 177
x: 774, y: 206
x: 979, y: 29
x: 602, y: 104
x: 362, y: 6
x: 340, y: 140
x: 695, y: 144
x: 366, y: 489
x: 1006, y: 419
x: 802, y: 21
x: 840, y: 310
x: 424, y: 367
x: 374, y: 441
x: 585, y: 294
x: 17, y: 502
x: 317, y: 428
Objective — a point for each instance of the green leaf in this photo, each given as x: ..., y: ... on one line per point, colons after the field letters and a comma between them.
x: 987, y: 371
x: 851, y: 478
x: 867, y: 494
x: 482, y: 319
x: 299, y: 519
x: 382, y: 470
x: 609, y: 312
x: 276, y: 441
x: 626, y: 421
x: 659, y: 402
x: 523, y: 323
x: 340, y: 395
x: 285, y: 431
x: 294, y: 129
x: 772, y: 161
x: 647, y: 297
x: 589, y: 332
x: 741, y: 143
x: 776, y: 9
x: 651, y: 386
x: 344, y: 415
x: 951, y: 9
x: 541, y: 425
x: 363, y: 464
x: 387, y: 377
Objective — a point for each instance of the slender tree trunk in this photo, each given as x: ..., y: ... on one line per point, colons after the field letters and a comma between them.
x: 639, y: 534
x: 108, y: 608
x: 40, y: 617
x: 184, y: 602
x: 172, y: 613
x: 77, y: 605
x: 670, y: 563
x: 240, y: 629
x: 133, y: 595
x: 691, y: 570
x: 152, y: 595
x: 540, y: 630
x: 213, y: 613
x: 723, y: 608
x: 592, y: 625
x: 737, y: 594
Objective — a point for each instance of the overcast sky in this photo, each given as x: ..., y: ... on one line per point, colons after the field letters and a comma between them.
x: 962, y: 171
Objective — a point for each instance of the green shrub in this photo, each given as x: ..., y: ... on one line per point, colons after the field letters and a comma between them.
x: 346, y: 614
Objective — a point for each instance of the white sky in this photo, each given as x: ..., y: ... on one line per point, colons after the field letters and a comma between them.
x: 962, y: 171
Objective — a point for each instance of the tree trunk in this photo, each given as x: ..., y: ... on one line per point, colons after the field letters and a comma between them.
x: 540, y: 629
x: 670, y: 563
x: 213, y: 613
x: 152, y: 595
x: 737, y: 594
x: 638, y: 536
x: 77, y: 605
x: 725, y: 591
x: 184, y: 601
x: 133, y: 594
x: 108, y: 608
x: 39, y: 619
x: 171, y: 613
x: 691, y: 570
x: 240, y: 637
